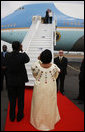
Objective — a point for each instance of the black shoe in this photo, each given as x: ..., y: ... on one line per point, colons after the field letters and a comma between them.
x: 80, y: 102
x: 62, y: 93
x: 78, y: 98
x: 12, y: 116
x: 1, y: 90
x: 20, y: 117
x: 12, y: 119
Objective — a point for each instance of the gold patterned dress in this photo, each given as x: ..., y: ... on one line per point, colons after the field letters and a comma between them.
x: 44, y: 109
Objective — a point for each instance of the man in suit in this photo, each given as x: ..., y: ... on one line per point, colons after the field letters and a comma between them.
x: 81, y: 83
x: 16, y: 78
x: 61, y: 62
x: 3, y: 66
x: 47, y: 16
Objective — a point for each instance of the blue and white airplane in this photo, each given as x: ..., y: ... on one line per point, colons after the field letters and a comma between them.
x: 69, y: 30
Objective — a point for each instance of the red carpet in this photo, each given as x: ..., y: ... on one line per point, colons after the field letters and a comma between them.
x: 72, y: 118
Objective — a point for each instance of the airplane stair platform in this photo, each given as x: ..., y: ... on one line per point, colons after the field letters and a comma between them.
x: 39, y: 37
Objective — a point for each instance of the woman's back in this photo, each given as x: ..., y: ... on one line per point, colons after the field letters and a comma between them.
x: 45, y: 75
x: 44, y: 110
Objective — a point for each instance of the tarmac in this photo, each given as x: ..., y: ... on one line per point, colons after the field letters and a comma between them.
x: 71, y: 88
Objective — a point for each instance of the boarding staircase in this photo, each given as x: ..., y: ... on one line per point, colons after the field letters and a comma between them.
x: 39, y: 37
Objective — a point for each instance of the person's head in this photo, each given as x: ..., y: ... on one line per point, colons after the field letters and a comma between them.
x: 46, y: 56
x: 48, y: 10
x: 4, y: 47
x: 61, y: 53
x: 16, y: 45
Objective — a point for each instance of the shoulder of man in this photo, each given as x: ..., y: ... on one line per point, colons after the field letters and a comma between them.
x: 56, y: 60
x: 57, y: 57
x: 23, y: 54
x: 1, y: 53
x: 8, y: 53
x: 65, y: 58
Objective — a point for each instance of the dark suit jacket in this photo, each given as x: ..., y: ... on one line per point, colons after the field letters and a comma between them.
x: 16, y: 72
x: 3, y: 64
x: 3, y: 60
x: 81, y: 74
x: 62, y: 64
x: 47, y: 14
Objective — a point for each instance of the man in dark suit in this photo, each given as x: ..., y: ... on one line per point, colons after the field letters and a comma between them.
x: 3, y: 66
x: 81, y: 83
x: 61, y: 62
x: 47, y: 17
x: 16, y: 78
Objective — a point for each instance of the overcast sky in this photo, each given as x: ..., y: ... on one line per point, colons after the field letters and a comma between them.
x: 71, y: 8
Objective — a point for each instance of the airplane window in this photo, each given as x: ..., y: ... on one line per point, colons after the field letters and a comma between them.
x: 82, y: 23
x: 71, y: 23
x: 7, y: 25
x: 14, y: 25
x: 75, y: 23
x: 64, y: 23
x: 11, y: 25
x: 67, y: 23
x: 21, y: 8
x: 78, y: 23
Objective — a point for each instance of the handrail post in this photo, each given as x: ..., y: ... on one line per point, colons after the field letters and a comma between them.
x: 53, y: 34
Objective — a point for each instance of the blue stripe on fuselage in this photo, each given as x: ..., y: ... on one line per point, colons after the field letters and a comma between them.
x: 23, y: 18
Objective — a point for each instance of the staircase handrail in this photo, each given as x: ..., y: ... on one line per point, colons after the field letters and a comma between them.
x: 30, y: 35
x: 53, y: 34
x: 33, y: 33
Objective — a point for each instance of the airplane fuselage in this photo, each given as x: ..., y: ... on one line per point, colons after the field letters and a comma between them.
x: 69, y: 30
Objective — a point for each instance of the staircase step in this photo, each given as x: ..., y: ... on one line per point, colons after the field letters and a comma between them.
x: 38, y: 38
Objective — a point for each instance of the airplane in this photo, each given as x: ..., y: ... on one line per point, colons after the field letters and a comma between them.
x: 69, y: 30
